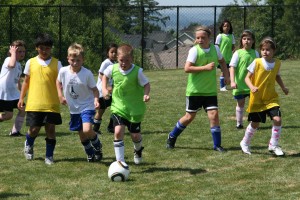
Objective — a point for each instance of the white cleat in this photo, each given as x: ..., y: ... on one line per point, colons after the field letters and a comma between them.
x: 245, y: 148
x: 276, y: 150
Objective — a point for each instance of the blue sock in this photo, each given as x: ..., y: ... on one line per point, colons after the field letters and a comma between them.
x: 222, y: 82
x: 50, y: 146
x: 216, y: 135
x: 177, y: 130
x: 29, y: 140
x: 88, y: 147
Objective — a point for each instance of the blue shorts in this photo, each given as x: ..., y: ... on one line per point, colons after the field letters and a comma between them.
x: 241, y: 96
x: 77, y: 120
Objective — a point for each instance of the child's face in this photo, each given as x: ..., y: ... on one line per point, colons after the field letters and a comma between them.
x: 44, y: 52
x: 247, y: 42
x: 202, y: 39
x: 112, y: 54
x: 75, y: 61
x: 125, y: 61
x: 267, y: 52
x: 20, y: 53
x: 226, y: 27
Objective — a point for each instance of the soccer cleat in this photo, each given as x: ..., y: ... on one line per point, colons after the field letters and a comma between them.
x: 245, y: 148
x: 240, y: 126
x: 98, y: 155
x: 49, y: 160
x: 28, y: 151
x: 171, y: 142
x: 219, y: 149
x: 138, y: 156
x: 223, y: 89
x: 15, y: 134
x: 276, y: 150
x: 91, y: 158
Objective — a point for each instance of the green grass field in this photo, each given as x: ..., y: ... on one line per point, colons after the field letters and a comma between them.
x: 191, y: 171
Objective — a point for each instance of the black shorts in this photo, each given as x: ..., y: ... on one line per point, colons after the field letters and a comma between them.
x: 8, y: 105
x: 41, y: 118
x: 195, y: 103
x: 219, y: 66
x: 132, y: 127
x: 261, y: 116
x: 104, y: 103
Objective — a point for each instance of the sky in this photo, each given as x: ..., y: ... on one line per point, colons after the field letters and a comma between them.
x: 195, y: 2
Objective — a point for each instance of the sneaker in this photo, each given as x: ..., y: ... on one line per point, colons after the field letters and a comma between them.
x: 138, y: 156
x: 28, y: 151
x: 245, y: 148
x: 171, y: 142
x: 240, y: 126
x: 219, y: 149
x: 223, y: 89
x: 98, y: 155
x: 276, y: 150
x: 15, y: 134
x: 91, y: 158
x: 49, y: 160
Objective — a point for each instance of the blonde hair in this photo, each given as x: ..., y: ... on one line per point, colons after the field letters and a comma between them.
x: 75, y: 49
x: 268, y: 40
x: 203, y: 28
x: 125, y: 49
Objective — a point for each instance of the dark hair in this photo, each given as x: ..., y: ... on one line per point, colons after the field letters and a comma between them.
x: 111, y: 45
x: 268, y: 40
x: 250, y: 33
x: 43, y: 39
x: 17, y: 43
x: 221, y: 26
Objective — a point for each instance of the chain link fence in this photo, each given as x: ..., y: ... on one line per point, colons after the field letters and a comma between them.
x: 160, y: 35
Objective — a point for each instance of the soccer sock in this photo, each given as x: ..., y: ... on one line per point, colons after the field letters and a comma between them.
x: 50, y: 146
x: 29, y: 140
x: 248, y: 134
x: 96, y: 143
x: 137, y: 145
x: 239, y: 112
x: 276, y: 131
x: 177, y: 130
x: 18, y: 124
x: 119, y: 150
x: 222, y: 82
x: 97, y: 124
x: 88, y: 147
x: 216, y: 135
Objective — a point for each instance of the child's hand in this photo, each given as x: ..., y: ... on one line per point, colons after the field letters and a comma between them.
x: 63, y: 100
x: 285, y: 90
x: 254, y: 89
x: 210, y: 66
x: 233, y: 85
x: 13, y: 49
x: 146, y: 98
x: 106, y: 94
x: 96, y: 103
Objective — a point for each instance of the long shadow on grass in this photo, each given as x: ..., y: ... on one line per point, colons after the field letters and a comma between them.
x: 168, y: 169
x: 6, y: 195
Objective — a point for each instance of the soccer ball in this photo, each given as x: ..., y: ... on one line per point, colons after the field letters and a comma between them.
x: 118, y: 171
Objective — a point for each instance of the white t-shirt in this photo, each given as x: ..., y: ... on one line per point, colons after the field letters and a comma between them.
x: 192, y: 56
x: 77, y: 89
x: 103, y: 66
x: 219, y: 39
x: 267, y: 65
x: 143, y: 80
x: 235, y: 58
x: 41, y: 62
x: 9, y: 78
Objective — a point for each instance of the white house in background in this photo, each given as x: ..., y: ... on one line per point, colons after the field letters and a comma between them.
x: 184, y: 39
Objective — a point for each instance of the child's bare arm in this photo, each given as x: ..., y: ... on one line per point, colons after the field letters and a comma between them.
x: 146, y: 92
x: 224, y: 70
x: 105, y: 91
x: 281, y: 84
x: 96, y: 97
x: 249, y: 83
x: 61, y: 97
x: 190, y: 68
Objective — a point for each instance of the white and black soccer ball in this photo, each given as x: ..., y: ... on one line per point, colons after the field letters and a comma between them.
x: 118, y: 171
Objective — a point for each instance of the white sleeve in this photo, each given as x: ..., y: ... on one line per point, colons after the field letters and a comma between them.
x: 218, y: 39
x: 251, y: 67
x: 234, y: 60
x: 143, y: 80
x: 192, y: 56
x: 257, y: 54
x: 108, y: 71
x: 27, y: 68
x: 59, y: 65
x: 233, y: 39
x: 220, y: 56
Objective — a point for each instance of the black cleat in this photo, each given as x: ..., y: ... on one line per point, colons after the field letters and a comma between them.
x: 171, y: 142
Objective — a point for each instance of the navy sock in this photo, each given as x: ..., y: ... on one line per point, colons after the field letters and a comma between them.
x: 29, y: 140
x: 88, y: 147
x: 216, y: 135
x: 222, y: 82
x: 177, y: 130
x: 50, y: 146
x: 96, y: 143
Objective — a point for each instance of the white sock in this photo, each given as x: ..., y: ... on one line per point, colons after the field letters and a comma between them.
x: 18, y: 124
x: 248, y: 134
x: 137, y: 145
x: 239, y: 112
x: 119, y: 150
x: 276, y: 131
